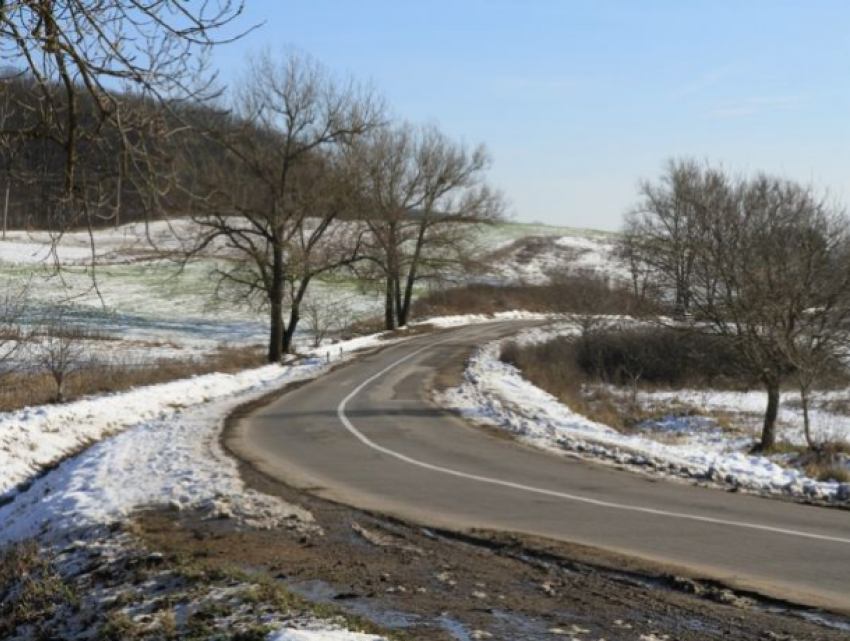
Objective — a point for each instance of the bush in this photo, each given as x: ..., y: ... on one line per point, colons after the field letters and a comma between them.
x: 573, y: 293
x: 572, y: 368
x: 661, y: 356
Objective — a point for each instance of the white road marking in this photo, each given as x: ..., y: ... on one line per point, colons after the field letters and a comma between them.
x: 536, y: 490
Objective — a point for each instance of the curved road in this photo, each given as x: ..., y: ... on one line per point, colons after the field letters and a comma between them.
x: 368, y: 435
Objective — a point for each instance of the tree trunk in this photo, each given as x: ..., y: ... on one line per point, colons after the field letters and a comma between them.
x: 389, y: 309
x: 397, y: 298
x: 807, y: 426
x: 768, y: 433
x: 404, y: 312
x: 276, y: 306
x: 404, y: 308
x: 295, y: 314
x: 289, y: 333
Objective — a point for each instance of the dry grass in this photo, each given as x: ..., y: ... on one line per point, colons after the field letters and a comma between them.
x: 580, y: 370
x: 31, y: 590
x: 555, y: 371
x: 828, y: 472
x: 26, y: 390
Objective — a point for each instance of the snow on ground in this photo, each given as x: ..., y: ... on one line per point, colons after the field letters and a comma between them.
x: 167, y: 454
x: 160, y: 446
x: 496, y: 393
x: 165, y: 451
x: 473, y: 319
x: 827, y: 426
x: 109, y: 245
x: 533, y: 259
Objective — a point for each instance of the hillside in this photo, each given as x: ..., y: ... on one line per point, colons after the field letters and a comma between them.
x: 142, y: 296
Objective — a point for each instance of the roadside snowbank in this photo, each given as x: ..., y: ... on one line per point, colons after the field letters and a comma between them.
x: 159, y: 445
x: 445, y: 322
x: 170, y: 456
x: 495, y: 393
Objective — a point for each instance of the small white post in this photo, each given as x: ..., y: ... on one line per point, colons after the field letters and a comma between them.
x: 6, y: 206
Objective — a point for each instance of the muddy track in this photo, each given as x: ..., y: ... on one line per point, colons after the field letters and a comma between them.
x: 436, y: 585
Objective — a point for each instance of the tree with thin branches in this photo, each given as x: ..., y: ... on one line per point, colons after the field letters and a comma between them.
x: 766, y: 270
x: 424, y: 195
x: 279, y: 185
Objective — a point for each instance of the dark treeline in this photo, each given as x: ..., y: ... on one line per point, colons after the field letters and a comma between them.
x: 106, y: 178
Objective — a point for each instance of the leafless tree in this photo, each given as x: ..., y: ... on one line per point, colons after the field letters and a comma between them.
x: 325, y: 314
x: 60, y: 350
x: 15, y: 333
x: 660, y: 232
x: 767, y: 269
x: 424, y: 194
x: 816, y: 336
x: 274, y: 202
x: 92, y: 92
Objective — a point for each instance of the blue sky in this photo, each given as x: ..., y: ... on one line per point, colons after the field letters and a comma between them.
x: 578, y: 99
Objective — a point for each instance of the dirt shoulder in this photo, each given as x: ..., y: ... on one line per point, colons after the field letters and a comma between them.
x: 435, y: 585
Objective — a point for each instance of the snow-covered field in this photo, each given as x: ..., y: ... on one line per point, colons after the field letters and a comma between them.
x: 494, y: 392
x: 533, y: 259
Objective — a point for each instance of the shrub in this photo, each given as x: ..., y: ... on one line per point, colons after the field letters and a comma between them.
x: 566, y: 293
x: 661, y: 356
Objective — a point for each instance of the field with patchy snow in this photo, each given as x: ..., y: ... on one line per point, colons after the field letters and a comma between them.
x: 120, y: 281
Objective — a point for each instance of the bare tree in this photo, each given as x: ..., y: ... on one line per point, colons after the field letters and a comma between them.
x: 767, y: 271
x: 424, y: 194
x: 660, y: 232
x: 15, y: 333
x: 327, y: 314
x: 290, y: 120
x: 815, y: 340
x: 92, y: 92
x: 60, y: 350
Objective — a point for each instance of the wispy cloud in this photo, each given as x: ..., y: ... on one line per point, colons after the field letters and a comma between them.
x: 757, y: 105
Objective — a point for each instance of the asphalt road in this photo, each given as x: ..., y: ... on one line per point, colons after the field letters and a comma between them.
x: 368, y: 435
